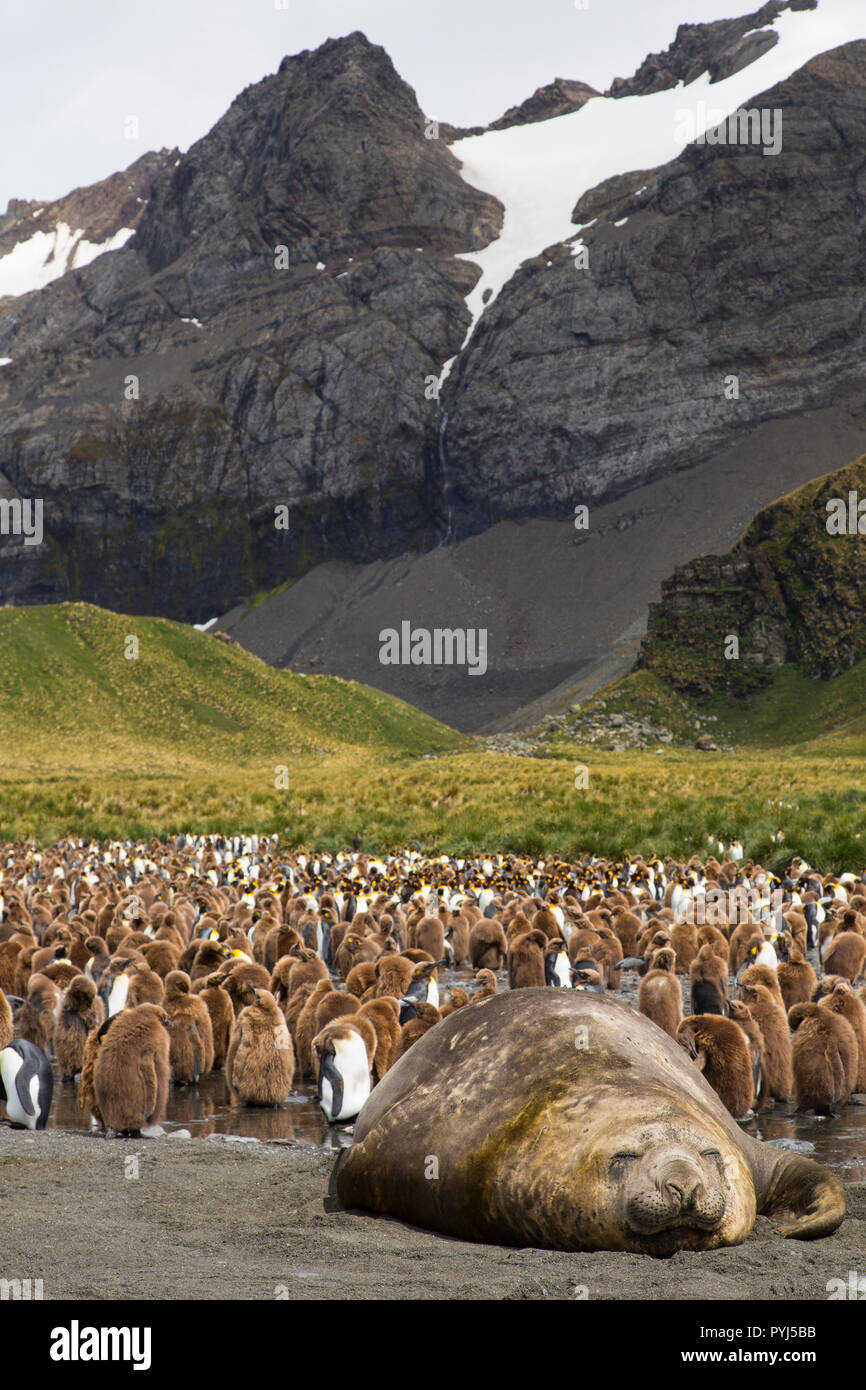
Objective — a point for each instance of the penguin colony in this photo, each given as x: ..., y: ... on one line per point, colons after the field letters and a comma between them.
x: 134, y: 967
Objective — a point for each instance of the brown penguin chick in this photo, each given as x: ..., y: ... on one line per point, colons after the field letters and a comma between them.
x: 485, y: 986
x: 222, y: 1015
x: 843, y: 1001
x: 86, y: 1093
x: 654, y: 936
x: 162, y: 957
x: 7, y: 1030
x: 587, y: 976
x: 240, y: 975
x: 305, y: 1028
x: 845, y: 955
x: 60, y: 972
x: 457, y: 934
x: 684, y: 939
x: 279, y: 942
x: 145, y: 986
x: 260, y: 1065
x: 660, y: 995
x: 628, y: 927
x: 796, y: 978
x: 190, y: 1031
x: 363, y: 977
x: 457, y: 999
x: 583, y: 944
x: 98, y: 959
x: 487, y: 945
x: 44, y: 955
x: 172, y: 929
x: 738, y: 1013
x: 9, y: 953
x: 720, y: 1050
x: 306, y: 968
x: 79, y: 1012
x: 208, y: 957
x: 115, y: 935
x: 824, y: 1057
x: 135, y: 941
x: 544, y: 921
x: 518, y: 925
x: 526, y: 960
x: 355, y: 948
x: 279, y: 983
x: 392, y: 976
x: 384, y: 1015
x: 426, y: 1017
x: 743, y: 937
x: 430, y: 937
x: 131, y: 1073
x: 417, y: 957
x: 763, y: 975
x: 611, y: 956
x: 708, y: 935
x: 772, y: 1021
x: 294, y: 1009
x: 35, y: 1018
x: 798, y: 928
x: 23, y: 971
x: 708, y: 980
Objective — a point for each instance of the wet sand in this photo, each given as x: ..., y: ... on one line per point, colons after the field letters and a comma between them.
x: 212, y: 1218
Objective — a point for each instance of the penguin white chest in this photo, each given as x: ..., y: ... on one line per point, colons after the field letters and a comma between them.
x: 118, y: 995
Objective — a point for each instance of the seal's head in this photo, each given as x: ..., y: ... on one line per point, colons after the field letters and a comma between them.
x: 667, y: 1187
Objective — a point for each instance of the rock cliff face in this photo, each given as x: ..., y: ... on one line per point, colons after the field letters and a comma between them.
x: 271, y: 335
x: 265, y: 378
x: 582, y: 383
x: 789, y: 591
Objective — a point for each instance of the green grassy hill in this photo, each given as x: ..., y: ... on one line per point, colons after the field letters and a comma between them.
x: 72, y: 701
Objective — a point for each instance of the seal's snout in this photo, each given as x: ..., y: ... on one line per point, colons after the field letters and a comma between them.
x: 684, y: 1186
x: 673, y: 1190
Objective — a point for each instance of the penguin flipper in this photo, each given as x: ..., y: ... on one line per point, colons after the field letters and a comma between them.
x: 25, y: 1075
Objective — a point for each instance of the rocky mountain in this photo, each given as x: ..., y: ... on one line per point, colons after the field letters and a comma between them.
x: 719, y: 293
x: 556, y: 98
x: 327, y: 316
x: 263, y: 341
x: 720, y: 49
x: 40, y: 241
x: 792, y: 589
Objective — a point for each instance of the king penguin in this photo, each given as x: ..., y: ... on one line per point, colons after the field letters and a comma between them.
x: 26, y: 1084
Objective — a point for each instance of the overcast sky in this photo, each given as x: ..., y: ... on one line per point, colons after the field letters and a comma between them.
x: 72, y: 72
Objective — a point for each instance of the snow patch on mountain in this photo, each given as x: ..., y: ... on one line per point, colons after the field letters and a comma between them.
x: 538, y: 172
x: 45, y: 256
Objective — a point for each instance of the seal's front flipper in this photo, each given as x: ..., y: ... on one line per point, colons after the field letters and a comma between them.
x: 807, y: 1199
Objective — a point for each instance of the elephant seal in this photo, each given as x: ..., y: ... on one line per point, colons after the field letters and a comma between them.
x: 569, y: 1121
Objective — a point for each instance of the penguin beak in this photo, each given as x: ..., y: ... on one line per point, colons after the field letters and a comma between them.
x: 742, y: 970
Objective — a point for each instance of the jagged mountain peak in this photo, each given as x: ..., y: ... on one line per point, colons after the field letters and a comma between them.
x: 720, y: 48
